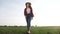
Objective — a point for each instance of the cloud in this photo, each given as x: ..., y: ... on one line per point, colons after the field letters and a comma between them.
x: 10, y: 7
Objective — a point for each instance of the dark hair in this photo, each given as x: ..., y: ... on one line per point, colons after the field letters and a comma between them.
x: 29, y: 4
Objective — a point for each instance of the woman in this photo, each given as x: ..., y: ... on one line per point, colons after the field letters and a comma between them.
x: 28, y: 13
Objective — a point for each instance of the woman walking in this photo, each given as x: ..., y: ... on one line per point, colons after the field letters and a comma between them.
x: 28, y: 13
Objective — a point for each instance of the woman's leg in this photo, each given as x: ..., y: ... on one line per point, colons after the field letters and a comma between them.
x: 28, y: 19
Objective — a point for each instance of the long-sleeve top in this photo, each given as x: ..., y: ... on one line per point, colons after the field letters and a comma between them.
x: 27, y: 11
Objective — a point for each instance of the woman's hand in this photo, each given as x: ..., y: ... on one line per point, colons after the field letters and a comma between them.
x: 31, y: 17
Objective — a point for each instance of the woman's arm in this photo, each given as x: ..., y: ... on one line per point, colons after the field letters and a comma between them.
x: 25, y: 12
x: 32, y: 12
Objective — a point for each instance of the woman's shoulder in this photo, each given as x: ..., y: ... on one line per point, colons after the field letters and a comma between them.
x: 24, y: 8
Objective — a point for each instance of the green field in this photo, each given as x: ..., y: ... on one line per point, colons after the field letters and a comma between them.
x: 34, y: 30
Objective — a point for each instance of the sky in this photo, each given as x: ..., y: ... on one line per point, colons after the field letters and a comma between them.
x: 46, y: 12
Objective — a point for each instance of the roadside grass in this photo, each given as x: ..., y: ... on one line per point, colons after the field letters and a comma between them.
x: 34, y: 30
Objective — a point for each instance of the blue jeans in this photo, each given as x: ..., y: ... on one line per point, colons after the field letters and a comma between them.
x: 28, y: 20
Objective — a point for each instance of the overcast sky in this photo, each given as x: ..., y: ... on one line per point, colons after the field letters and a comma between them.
x: 46, y: 12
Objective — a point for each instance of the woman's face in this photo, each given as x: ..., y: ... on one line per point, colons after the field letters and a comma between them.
x: 27, y: 5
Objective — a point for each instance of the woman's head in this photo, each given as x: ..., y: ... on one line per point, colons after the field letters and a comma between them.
x: 28, y: 5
